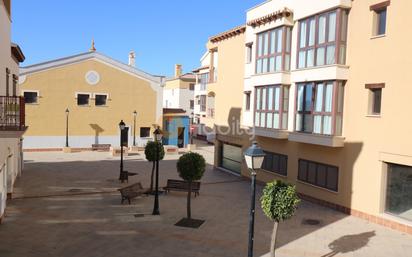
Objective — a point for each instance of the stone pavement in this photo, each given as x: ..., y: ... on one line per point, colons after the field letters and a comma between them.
x: 67, y: 205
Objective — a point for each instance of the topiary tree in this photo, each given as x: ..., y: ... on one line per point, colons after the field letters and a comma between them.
x: 191, y: 167
x: 279, y: 202
x: 150, y: 151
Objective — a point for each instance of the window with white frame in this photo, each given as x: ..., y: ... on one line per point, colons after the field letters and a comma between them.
x: 31, y: 97
x: 83, y: 99
x: 100, y: 99
x: 271, y: 108
x: 273, y: 50
x: 319, y: 107
x: 322, y: 39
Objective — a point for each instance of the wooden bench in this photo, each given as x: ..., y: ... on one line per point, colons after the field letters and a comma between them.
x: 132, y: 191
x: 101, y: 147
x: 180, y: 185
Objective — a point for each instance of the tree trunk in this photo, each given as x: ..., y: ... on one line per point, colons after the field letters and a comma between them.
x: 189, y: 196
x: 273, y: 241
x: 151, y: 177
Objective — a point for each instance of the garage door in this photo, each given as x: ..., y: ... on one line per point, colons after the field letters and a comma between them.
x: 231, y: 158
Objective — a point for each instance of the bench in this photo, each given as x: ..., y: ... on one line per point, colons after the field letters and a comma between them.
x: 132, y: 191
x: 101, y: 147
x: 180, y: 185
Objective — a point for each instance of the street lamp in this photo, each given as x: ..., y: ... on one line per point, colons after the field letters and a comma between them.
x: 134, y: 128
x: 254, y: 157
x: 122, y: 126
x: 158, y: 137
x: 67, y: 127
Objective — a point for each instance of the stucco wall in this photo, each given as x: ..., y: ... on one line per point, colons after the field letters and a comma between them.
x: 57, y: 89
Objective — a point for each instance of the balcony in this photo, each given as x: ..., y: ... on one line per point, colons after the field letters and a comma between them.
x: 12, y: 116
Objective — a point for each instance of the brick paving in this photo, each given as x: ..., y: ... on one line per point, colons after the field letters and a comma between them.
x: 67, y: 205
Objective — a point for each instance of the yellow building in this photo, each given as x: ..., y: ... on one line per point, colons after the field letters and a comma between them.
x: 322, y: 87
x: 97, y: 92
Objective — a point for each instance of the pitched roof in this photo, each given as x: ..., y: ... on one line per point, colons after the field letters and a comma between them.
x: 17, y: 52
x: 228, y: 34
x: 89, y: 56
x: 285, y: 12
x: 186, y: 77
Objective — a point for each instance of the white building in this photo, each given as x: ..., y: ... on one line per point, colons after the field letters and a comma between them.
x: 179, y: 91
x: 12, y: 115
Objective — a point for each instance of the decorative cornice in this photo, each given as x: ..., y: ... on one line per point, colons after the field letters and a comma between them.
x: 228, y: 34
x: 270, y: 17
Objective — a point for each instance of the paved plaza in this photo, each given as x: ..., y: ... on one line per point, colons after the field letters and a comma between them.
x: 66, y: 205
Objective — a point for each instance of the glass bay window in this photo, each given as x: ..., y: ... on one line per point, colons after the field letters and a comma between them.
x: 272, y: 106
x: 319, y: 107
x: 273, y: 50
x: 322, y: 39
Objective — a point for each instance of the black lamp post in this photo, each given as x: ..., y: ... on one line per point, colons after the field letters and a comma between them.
x: 254, y: 157
x: 158, y: 137
x: 134, y: 128
x: 122, y: 126
x: 67, y: 127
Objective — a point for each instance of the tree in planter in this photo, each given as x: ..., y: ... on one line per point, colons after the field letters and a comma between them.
x: 279, y: 202
x: 150, y: 152
x: 191, y: 167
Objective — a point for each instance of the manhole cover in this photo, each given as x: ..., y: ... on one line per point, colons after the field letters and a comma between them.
x: 139, y: 215
x: 311, y: 222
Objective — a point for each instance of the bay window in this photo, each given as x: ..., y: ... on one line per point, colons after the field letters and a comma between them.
x: 273, y: 50
x: 322, y: 39
x: 272, y: 105
x: 319, y: 107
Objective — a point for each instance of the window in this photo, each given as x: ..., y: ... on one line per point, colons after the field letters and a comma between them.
x: 248, y: 52
x: 322, y: 39
x: 191, y: 86
x: 273, y: 53
x: 272, y: 105
x: 7, y: 81
x: 247, y: 100
x: 379, y: 18
x: 192, y: 104
x: 144, y: 132
x: 203, y: 103
x: 375, y: 98
x: 277, y: 163
x: 204, y: 80
x: 231, y: 157
x: 319, y: 107
x: 30, y: 97
x: 100, y: 100
x: 399, y: 191
x: 318, y: 174
x: 83, y: 99
x: 15, y: 81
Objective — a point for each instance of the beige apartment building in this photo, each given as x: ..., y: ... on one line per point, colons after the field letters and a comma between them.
x: 12, y: 115
x: 325, y: 94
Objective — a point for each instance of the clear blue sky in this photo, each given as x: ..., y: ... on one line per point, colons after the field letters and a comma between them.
x: 161, y: 32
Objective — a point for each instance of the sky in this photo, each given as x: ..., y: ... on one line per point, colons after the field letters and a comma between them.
x: 162, y: 33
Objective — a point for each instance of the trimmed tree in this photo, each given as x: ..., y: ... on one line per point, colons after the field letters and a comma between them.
x: 191, y: 167
x: 279, y: 202
x: 150, y: 151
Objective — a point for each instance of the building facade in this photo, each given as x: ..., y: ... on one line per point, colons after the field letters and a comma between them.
x: 12, y: 116
x: 88, y: 94
x: 325, y: 92
x: 178, y: 92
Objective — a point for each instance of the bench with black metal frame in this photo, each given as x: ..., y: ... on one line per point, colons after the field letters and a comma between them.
x: 181, y: 185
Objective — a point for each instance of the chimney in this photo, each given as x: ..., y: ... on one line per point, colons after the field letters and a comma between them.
x: 132, y: 60
x: 178, y: 70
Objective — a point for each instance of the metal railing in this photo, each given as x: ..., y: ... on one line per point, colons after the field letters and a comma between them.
x: 12, y: 113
